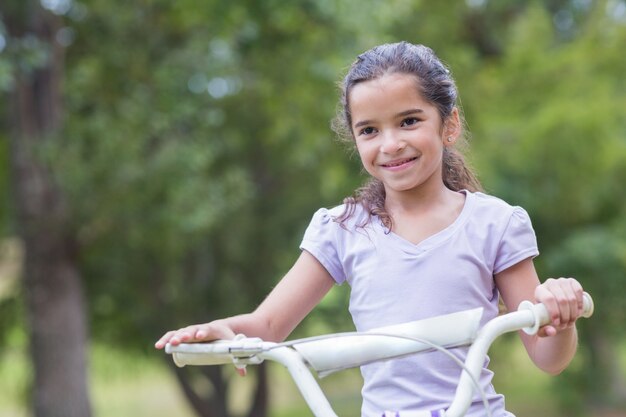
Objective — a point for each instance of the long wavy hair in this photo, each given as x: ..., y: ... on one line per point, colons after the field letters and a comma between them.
x: 437, y: 87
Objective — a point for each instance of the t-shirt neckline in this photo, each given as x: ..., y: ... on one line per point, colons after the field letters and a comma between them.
x: 437, y: 238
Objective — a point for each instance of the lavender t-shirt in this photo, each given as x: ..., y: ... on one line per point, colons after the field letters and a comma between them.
x: 394, y: 281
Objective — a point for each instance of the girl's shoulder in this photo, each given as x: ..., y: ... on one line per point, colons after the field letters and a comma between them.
x: 494, y: 209
x: 490, y: 202
x: 346, y: 216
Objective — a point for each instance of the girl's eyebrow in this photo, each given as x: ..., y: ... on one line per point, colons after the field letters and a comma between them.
x: 409, y: 112
x: 401, y: 114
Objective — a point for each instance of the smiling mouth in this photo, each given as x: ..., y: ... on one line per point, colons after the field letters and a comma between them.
x: 399, y: 163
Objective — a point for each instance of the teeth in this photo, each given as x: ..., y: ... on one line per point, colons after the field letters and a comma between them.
x: 399, y: 163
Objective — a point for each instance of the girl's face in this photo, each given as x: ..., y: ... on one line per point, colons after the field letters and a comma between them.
x: 398, y: 134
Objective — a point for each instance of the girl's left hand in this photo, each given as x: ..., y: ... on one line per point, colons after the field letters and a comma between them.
x: 563, y: 297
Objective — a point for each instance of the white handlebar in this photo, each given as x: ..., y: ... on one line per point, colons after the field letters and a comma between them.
x: 339, y: 351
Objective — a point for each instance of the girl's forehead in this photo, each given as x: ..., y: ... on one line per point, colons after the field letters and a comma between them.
x: 386, y: 92
x: 387, y: 84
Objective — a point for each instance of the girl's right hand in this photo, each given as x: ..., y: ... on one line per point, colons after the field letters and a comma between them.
x: 199, y: 333
x: 196, y: 333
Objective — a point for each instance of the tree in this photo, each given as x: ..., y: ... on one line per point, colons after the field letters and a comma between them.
x: 52, y: 283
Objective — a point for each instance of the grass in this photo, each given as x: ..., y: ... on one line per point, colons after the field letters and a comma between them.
x: 123, y: 385
x: 14, y: 377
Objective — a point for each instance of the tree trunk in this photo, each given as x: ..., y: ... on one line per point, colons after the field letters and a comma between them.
x: 53, y: 286
x: 260, y: 403
x: 214, y: 403
x: 204, y: 404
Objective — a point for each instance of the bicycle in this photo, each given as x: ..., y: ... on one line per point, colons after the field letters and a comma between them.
x: 334, y: 352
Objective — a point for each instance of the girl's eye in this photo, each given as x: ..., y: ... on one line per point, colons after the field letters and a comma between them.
x: 409, y: 121
x: 367, y: 131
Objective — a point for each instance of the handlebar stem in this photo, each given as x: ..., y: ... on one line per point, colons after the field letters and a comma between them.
x: 303, y: 378
x: 477, y: 353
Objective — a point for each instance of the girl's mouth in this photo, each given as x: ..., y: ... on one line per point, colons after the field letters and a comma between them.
x: 399, y: 162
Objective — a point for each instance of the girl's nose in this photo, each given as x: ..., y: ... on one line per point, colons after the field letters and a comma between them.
x: 392, y: 144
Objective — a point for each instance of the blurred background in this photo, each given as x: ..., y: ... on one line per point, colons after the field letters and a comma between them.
x: 161, y: 160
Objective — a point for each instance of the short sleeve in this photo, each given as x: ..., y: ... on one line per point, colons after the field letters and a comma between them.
x: 518, y: 241
x: 320, y: 240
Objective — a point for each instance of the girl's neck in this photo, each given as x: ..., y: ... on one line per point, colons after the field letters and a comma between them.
x: 421, y: 199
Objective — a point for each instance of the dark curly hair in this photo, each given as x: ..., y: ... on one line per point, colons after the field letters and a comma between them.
x: 436, y: 86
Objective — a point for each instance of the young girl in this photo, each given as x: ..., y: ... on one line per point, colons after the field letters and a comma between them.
x: 418, y: 240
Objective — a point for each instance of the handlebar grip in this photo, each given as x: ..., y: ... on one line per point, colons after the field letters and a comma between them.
x: 588, y: 306
x: 542, y: 317
x: 215, y: 353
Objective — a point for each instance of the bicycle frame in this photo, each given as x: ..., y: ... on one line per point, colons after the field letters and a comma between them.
x: 330, y: 353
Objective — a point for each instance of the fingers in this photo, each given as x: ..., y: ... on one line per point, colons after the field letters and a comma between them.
x: 547, y: 331
x: 563, y: 299
x: 199, y: 333
x: 160, y: 344
x: 176, y: 337
x: 195, y: 333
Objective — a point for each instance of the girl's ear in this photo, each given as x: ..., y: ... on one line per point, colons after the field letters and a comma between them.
x: 452, y: 128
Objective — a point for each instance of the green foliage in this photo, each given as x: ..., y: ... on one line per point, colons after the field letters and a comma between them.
x: 548, y: 112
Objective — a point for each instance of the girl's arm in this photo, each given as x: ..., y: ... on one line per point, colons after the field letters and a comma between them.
x: 288, y: 303
x: 553, y: 348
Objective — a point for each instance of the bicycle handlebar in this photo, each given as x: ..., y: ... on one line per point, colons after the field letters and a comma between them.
x: 329, y: 353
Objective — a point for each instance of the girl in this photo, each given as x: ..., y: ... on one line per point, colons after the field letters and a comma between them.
x: 419, y: 240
